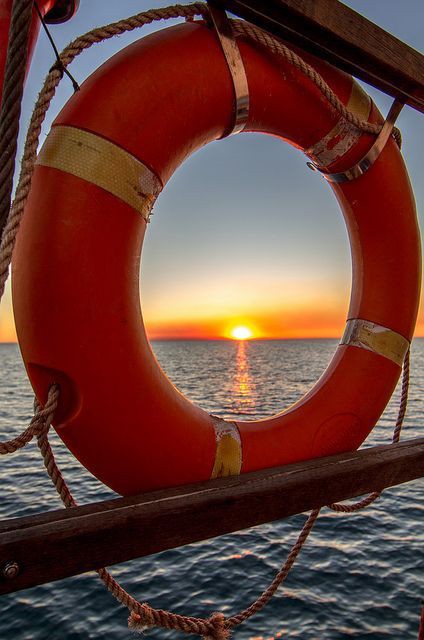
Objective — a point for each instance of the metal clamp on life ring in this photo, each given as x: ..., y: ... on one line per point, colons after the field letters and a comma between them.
x: 360, y: 167
x: 109, y: 154
x: 235, y: 65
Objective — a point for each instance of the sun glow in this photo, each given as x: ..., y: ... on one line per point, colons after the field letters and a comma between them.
x: 241, y: 333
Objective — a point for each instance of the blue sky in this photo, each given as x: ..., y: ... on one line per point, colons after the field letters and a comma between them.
x: 243, y: 214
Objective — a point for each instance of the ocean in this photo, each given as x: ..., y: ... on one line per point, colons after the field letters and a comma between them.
x: 359, y: 576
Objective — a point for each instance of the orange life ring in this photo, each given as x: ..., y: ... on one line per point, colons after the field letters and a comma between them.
x: 76, y: 264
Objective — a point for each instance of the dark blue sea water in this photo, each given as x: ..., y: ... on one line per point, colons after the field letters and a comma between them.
x: 359, y: 576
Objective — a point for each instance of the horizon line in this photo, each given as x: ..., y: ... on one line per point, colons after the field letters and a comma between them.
x: 224, y: 339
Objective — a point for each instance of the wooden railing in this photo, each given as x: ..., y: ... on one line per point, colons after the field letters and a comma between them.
x: 336, y: 33
x: 62, y: 543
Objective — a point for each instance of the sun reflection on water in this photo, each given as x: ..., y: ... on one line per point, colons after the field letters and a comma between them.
x: 243, y: 385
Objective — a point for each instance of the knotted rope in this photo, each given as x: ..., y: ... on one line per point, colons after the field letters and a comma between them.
x: 142, y: 615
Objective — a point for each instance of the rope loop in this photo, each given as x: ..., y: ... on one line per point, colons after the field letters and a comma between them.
x: 39, y: 425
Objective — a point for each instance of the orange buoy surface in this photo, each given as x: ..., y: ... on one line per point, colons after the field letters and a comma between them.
x: 76, y: 264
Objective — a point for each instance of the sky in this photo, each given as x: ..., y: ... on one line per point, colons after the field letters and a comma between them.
x: 244, y: 233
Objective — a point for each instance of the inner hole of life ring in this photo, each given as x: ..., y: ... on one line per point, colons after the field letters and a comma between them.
x: 245, y: 235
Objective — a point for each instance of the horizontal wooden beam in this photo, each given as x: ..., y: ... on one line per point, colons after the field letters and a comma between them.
x: 336, y: 33
x: 62, y: 543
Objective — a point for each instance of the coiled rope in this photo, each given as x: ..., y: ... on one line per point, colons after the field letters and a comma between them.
x: 142, y: 615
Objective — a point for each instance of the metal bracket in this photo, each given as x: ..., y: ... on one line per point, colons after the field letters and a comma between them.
x: 235, y: 65
x: 373, y: 337
x: 369, y: 158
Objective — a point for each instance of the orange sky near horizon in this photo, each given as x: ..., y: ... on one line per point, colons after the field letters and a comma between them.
x: 282, y: 322
x: 307, y: 328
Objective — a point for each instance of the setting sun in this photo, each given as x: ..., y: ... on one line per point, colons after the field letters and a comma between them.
x: 241, y: 333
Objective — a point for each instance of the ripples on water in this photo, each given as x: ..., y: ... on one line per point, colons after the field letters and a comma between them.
x: 359, y: 576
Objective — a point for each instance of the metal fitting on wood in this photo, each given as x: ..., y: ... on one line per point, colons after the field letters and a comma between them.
x: 10, y: 570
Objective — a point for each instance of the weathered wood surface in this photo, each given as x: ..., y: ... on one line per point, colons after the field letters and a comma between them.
x: 336, y: 33
x: 62, y: 543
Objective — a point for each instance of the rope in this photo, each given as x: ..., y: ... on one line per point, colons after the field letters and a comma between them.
x: 280, y: 576
x: 244, y: 28
x: 13, y: 86
x: 148, y: 617
x: 372, y: 497
x: 39, y: 425
x: 142, y: 615
x: 58, y: 63
x: 50, y: 463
